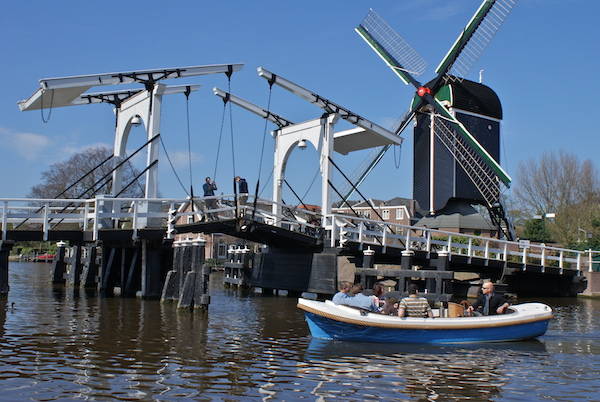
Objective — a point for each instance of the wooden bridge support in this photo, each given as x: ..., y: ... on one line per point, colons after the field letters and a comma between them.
x: 187, y: 282
x: 135, y: 269
x: 59, y: 266
x: 75, y: 266
x: 157, y: 260
x: 296, y: 271
x: 5, y: 247
x: 89, y: 274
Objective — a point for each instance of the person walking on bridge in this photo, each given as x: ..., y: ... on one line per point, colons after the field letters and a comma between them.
x: 209, y: 188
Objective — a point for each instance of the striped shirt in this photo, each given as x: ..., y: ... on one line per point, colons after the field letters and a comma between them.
x: 415, y: 306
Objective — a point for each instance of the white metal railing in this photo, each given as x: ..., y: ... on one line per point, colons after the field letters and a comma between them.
x: 137, y: 213
x: 342, y: 228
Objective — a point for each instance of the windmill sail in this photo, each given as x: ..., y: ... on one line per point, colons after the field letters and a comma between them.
x: 480, y: 173
x: 470, y: 142
x: 475, y: 37
x: 391, y: 47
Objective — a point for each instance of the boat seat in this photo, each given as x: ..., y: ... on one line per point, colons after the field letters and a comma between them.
x: 455, y: 310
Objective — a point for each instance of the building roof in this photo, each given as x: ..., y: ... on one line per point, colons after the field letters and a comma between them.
x: 456, y: 215
x: 393, y: 202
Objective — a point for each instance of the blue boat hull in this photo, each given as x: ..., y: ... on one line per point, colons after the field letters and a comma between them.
x: 322, y: 327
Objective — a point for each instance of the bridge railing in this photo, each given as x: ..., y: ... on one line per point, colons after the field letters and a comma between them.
x: 43, y: 214
x: 368, y: 232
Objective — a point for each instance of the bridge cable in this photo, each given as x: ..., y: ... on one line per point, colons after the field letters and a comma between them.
x: 231, y: 120
x: 295, y: 194
x: 262, y: 151
x: 119, y: 193
x: 92, y: 187
x: 173, y: 168
x: 363, y: 197
x: 46, y: 119
x: 225, y: 100
x: 69, y: 187
x: 187, y: 92
x: 351, y: 209
x: 397, y: 161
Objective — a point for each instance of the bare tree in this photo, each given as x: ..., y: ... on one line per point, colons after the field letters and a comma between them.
x: 61, y: 175
x: 559, y: 183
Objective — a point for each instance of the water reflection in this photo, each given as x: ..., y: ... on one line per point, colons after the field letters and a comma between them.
x: 63, y: 344
x: 415, y: 371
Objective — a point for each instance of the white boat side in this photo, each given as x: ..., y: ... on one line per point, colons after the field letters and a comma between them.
x: 521, y: 314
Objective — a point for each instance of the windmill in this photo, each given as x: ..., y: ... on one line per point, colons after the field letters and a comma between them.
x: 474, y: 173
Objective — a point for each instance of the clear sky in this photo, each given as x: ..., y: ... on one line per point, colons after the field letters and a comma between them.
x: 543, y: 63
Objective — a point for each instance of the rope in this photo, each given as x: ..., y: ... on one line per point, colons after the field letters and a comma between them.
x: 46, y: 119
x: 214, y: 176
x: 266, y: 183
x: 262, y: 148
x: 132, y: 169
x: 397, y: 162
x: 173, y: 168
x: 187, y: 115
x: 231, y: 127
x: 311, y: 183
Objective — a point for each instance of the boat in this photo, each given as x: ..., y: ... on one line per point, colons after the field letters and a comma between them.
x: 327, y: 320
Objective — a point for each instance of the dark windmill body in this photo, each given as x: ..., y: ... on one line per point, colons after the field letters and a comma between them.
x: 457, y: 146
x: 438, y: 177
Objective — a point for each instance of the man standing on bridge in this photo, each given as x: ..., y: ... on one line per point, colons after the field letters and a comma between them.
x: 242, y: 190
x: 209, y: 188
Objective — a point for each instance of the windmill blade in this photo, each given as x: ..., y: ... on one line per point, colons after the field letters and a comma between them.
x: 475, y: 37
x: 391, y: 47
x: 470, y: 141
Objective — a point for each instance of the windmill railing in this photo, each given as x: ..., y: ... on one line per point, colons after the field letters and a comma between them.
x: 367, y: 232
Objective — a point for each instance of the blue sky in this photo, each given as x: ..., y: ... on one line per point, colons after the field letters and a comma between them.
x: 543, y: 64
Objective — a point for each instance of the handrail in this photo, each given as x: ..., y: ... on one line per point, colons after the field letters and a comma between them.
x: 88, y: 213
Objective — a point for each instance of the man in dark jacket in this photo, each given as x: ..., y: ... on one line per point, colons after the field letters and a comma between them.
x: 242, y: 189
x: 209, y: 188
x: 488, y: 302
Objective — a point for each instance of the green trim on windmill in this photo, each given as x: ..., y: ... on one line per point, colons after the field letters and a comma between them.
x: 385, y: 56
x: 465, y: 35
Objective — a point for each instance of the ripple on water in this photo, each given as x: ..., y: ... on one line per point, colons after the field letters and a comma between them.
x: 59, y: 345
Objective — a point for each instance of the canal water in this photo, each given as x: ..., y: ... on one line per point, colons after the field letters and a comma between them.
x: 57, y: 344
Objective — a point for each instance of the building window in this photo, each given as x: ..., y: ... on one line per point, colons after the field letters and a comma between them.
x: 386, y: 214
x: 399, y: 213
x: 222, y: 250
x: 190, y: 219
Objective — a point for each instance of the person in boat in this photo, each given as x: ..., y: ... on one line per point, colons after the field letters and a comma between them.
x: 390, y: 306
x: 209, y: 188
x: 357, y: 299
x: 377, y: 292
x: 344, y: 288
x: 488, y: 302
x: 413, y: 305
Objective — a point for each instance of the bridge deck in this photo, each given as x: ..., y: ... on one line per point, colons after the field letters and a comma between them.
x: 257, y: 232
